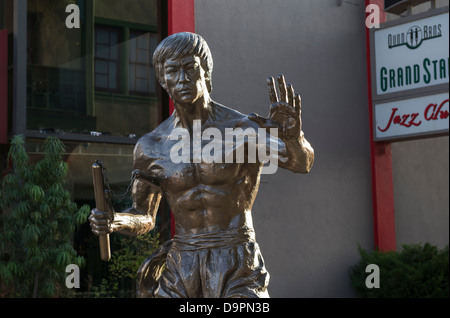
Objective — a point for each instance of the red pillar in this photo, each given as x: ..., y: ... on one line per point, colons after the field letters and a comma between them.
x: 381, y: 165
x: 181, y: 18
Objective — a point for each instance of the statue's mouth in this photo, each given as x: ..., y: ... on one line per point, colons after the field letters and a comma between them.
x: 185, y: 91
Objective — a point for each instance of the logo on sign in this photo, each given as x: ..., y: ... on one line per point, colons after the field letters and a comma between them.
x: 414, y: 37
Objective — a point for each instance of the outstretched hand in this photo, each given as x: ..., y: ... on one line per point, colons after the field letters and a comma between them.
x: 285, y: 109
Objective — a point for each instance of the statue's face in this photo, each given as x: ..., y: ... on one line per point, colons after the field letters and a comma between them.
x: 185, y: 79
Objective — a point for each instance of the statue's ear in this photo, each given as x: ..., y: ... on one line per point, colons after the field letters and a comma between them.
x: 208, y: 82
x: 160, y: 77
x: 162, y: 82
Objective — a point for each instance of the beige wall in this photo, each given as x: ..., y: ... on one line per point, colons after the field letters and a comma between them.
x: 421, y: 191
x: 309, y: 226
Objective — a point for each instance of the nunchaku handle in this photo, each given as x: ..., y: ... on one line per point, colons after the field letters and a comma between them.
x: 100, y: 201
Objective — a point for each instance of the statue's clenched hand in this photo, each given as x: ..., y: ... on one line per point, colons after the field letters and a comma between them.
x: 101, y: 222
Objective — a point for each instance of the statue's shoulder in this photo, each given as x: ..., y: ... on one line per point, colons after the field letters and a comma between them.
x: 228, y: 115
x: 150, y: 144
x: 232, y: 118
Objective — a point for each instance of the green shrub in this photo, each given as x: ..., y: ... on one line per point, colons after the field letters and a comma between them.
x: 37, y: 222
x: 416, y: 271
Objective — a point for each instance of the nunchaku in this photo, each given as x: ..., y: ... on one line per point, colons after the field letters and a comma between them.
x: 100, y: 202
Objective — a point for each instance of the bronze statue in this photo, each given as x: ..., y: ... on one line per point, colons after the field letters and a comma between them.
x: 213, y: 252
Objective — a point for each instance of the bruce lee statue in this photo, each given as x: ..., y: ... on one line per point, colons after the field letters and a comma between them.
x: 213, y: 252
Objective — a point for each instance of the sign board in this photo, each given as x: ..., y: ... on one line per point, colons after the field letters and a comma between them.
x: 408, y: 118
x: 410, y: 66
x: 412, y: 55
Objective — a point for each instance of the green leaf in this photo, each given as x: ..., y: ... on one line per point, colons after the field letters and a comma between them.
x: 82, y: 215
x: 80, y: 261
x: 22, y: 209
x: 37, y: 193
x: 63, y: 259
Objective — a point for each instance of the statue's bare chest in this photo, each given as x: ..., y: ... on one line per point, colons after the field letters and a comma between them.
x: 179, y: 168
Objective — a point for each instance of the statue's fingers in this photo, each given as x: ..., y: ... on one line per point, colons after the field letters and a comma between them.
x: 97, y: 214
x: 298, y: 108
x: 290, y: 95
x: 272, y: 91
x: 101, y: 227
x: 100, y: 222
x: 282, y: 88
x: 95, y: 228
x: 100, y: 231
x: 298, y: 103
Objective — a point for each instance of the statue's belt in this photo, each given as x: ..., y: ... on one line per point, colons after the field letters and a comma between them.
x: 199, y: 241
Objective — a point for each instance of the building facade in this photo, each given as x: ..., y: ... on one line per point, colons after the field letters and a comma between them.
x: 94, y: 88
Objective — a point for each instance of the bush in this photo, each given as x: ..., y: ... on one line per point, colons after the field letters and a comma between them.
x: 417, y: 271
x: 37, y: 222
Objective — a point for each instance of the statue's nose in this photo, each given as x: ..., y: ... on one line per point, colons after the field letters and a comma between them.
x: 183, y: 77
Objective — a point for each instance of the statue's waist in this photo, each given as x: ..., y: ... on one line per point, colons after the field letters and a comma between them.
x: 191, y: 242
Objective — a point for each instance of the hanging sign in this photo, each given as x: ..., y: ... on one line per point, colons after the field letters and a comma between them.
x: 410, y: 72
x: 413, y: 117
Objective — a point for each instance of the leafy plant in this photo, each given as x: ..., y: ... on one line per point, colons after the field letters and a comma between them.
x: 37, y: 221
x: 417, y: 271
x: 125, y: 261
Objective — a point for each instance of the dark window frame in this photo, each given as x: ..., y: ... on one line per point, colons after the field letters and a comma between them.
x: 125, y: 30
x: 135, y: 33
x: 109, y: 60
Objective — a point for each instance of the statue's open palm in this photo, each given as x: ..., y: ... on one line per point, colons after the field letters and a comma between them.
x: 285, y: 109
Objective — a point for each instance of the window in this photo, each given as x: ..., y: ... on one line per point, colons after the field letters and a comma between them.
x: 141, y: 79
x: 95, y: 81
x: 107, y: 58
x: 111, y: 73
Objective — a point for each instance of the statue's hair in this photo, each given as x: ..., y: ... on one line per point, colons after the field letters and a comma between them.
x: 180, y: 45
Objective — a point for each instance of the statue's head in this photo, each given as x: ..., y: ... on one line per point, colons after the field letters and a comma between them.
x: 179, y: 46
